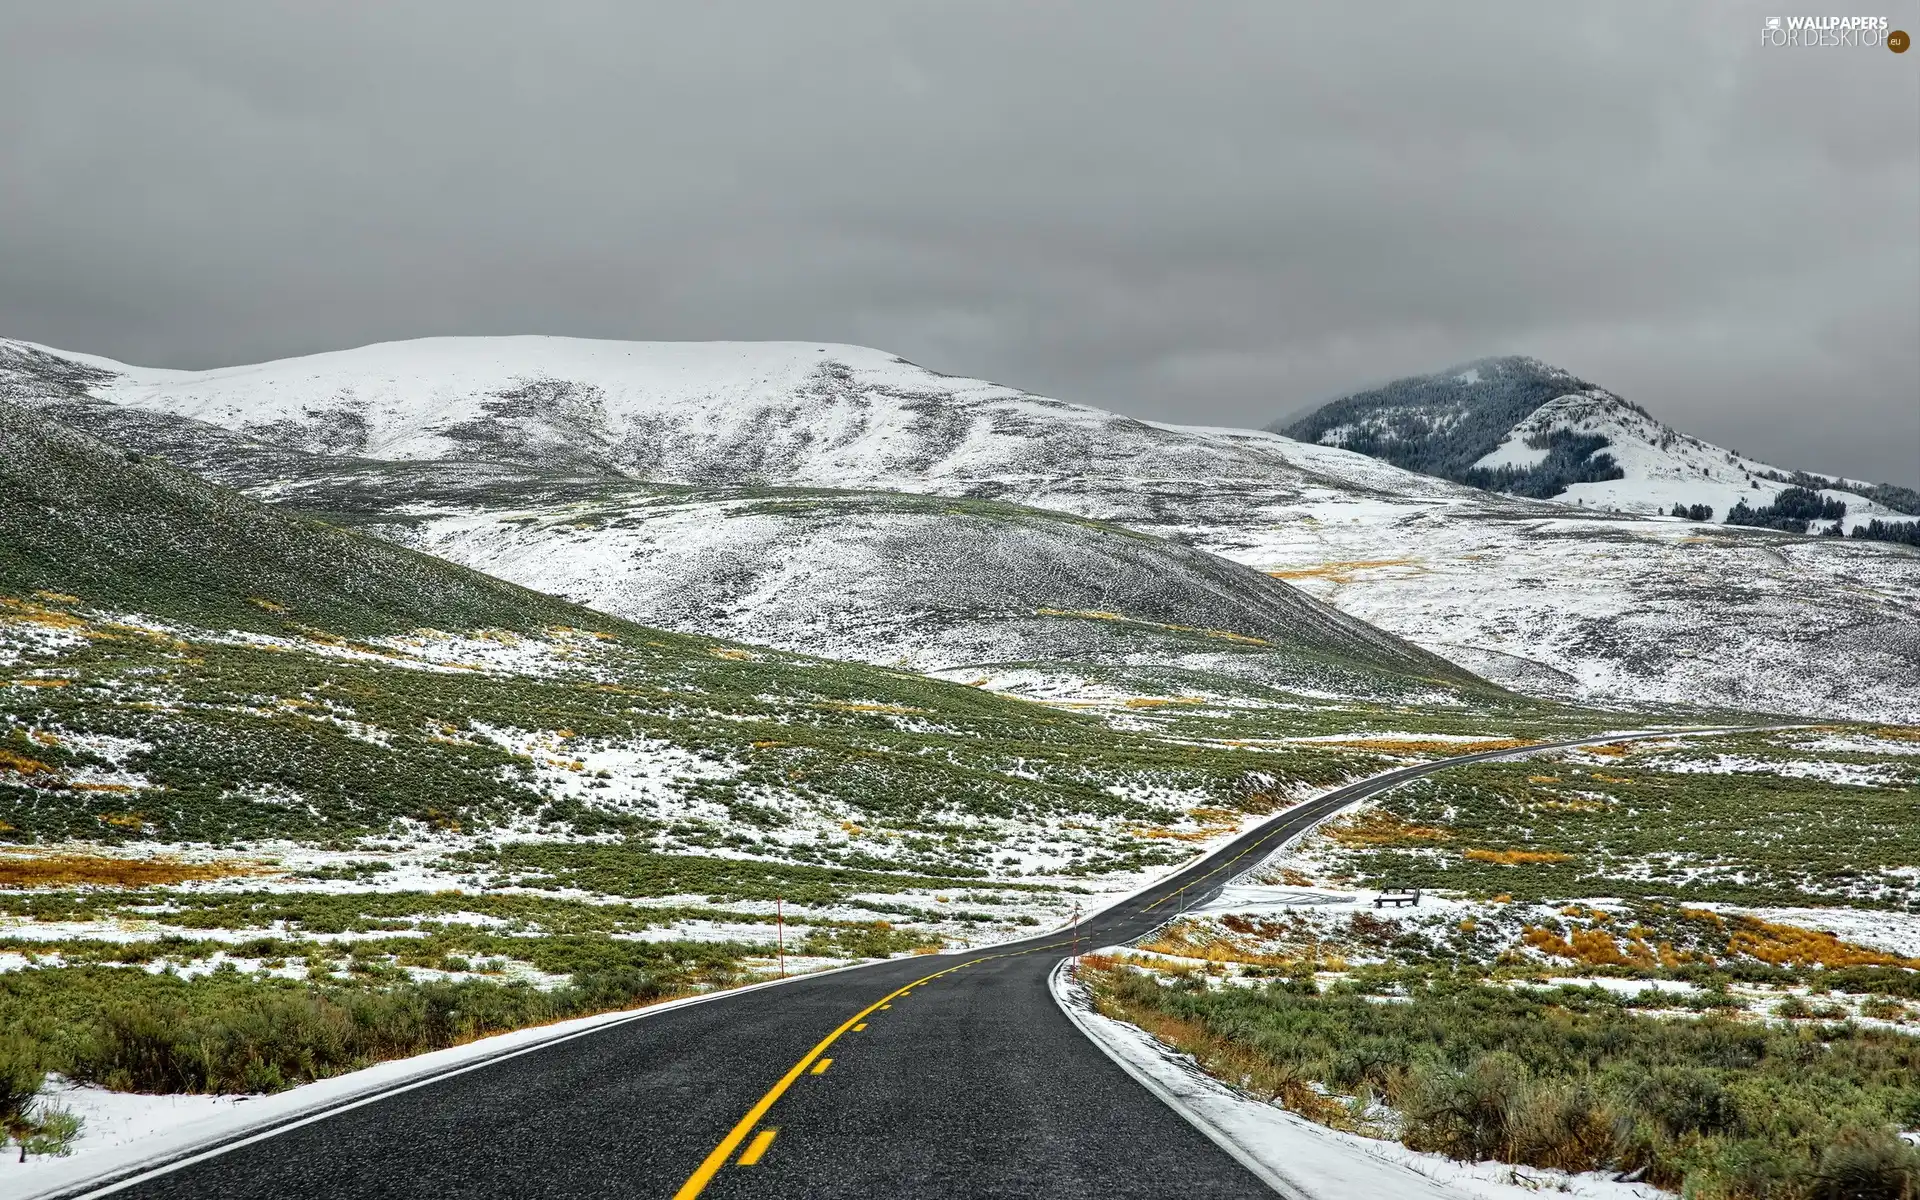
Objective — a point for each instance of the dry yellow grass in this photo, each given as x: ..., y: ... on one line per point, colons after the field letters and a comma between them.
x: 1220, y: 951
x: 1091, y: 614
x: 1423, y: 746
x: 1341, y: 572
x: 37, y: 870
x: 730, y: 653
x: 1580, y: 805
x: 1790, y: 945
x: 26, y: 612
x: 1094, y: 614
x: 1376, y: 828
x: 1510, y: 858
x: 20, y: 764
x: 1595, y: 947
x: 261, y: 602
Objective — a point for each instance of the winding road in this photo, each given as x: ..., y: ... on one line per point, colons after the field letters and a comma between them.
x: 944, y: 1075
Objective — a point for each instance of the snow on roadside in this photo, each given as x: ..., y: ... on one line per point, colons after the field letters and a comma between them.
x: 110, y: 1120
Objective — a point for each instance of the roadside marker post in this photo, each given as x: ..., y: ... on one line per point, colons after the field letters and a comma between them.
x: 1076, y: 937
x: 780, y: 935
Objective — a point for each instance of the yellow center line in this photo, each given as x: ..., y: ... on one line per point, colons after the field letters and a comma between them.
x: 1463, y: 761
x: 1223, y: 866
x: 820, y: 1068
x: 859, y: 1027
x: 758, y: 1147
x: 710, y: 1166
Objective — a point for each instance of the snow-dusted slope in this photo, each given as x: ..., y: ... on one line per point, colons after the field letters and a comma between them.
x: 932, y: 583
x: 694, y: 412
x: 1547, y: 596
x: 1660, y: 466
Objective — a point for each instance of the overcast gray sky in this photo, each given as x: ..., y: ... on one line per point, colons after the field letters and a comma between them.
x: 1211, y: 213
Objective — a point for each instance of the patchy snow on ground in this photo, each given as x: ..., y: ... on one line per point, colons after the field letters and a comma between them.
x: 1864, y: 743
x: 1853, y: 774
x: 1877, y: 929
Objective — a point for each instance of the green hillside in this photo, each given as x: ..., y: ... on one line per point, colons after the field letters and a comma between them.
x: 189, y: 665
x: 128, y: 530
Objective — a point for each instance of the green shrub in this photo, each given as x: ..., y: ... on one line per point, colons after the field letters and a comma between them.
x: 21, y: 1075
x: 1868, y: 1164
x: 53, y: 1131
x: 1573, y: 1078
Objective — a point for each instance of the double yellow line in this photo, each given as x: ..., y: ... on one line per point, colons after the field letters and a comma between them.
x: 710, y: 1166
x: 1248, y: 849
x: 814, y: 1060
x: 703, y: 1175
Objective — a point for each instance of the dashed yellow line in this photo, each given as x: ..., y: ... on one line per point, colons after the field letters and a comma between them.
x: 859, y: 1027
x: 710, y: 1166
x: 820, y: 1068
x: 758, y: 1146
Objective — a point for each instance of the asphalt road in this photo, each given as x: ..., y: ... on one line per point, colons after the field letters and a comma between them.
x: 970, y: 1082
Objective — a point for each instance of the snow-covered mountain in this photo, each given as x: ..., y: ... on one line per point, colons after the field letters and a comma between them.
x: 1660, y: 467
x: 1519, y: 425
x: 565, y: 466
x: 691, y: 412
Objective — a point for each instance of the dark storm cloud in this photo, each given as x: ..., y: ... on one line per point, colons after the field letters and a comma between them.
x: 1208, y: 213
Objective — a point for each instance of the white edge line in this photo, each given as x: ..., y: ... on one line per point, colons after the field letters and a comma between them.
x: 1218, y: 1136
x: 107, y: 1180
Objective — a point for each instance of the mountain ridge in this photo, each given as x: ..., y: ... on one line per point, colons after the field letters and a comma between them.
x: 1560, y: 599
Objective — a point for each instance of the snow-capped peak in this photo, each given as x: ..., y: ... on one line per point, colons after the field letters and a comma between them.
x: 1660, y: 466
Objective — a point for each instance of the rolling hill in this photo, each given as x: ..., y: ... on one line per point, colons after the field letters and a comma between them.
x: 183, y: 664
